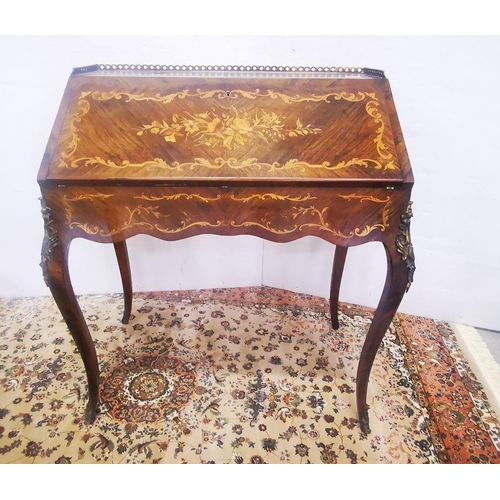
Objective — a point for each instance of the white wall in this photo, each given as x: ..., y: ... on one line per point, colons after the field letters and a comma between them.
x: 446, y: 92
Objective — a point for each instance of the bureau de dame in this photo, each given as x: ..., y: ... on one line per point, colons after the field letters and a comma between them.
x: 278, y: 153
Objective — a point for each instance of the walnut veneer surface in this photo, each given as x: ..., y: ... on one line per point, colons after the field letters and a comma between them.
x: 275, y: 155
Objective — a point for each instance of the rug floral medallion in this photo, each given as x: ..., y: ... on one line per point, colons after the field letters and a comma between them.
x: 235, y: 376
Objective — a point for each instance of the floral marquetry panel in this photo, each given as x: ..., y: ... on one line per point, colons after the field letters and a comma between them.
x: 204, y: 127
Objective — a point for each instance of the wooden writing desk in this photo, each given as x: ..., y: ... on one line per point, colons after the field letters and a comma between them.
x: 278, y: 153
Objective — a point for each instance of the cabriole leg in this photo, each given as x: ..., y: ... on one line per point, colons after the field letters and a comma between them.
x: 124, y: 265
x: 338, y: 269
x: 400, y: 268
x: 55, y: 272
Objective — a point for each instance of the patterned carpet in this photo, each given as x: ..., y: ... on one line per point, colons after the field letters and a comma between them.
x: 249, y: 375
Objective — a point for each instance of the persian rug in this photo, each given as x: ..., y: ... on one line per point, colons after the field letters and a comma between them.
x: 243, y: 376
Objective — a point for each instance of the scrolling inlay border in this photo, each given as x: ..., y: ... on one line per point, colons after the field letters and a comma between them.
x: 296, y: 213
